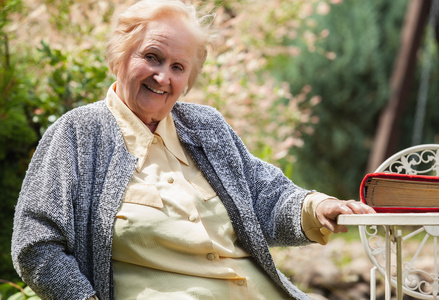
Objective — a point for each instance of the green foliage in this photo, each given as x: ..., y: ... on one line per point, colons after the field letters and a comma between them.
x: 73, y: 80
x: 430, y: 133
x: 349, y: 70
x: 31, y: 98
x: 8, y: 291
x: 364, y: 36
x: 15, y: 135
x: 6, y: 8
x: 235, y: 78
x: 61, y: 17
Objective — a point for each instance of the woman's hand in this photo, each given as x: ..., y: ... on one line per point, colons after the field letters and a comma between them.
x: 328, y: 210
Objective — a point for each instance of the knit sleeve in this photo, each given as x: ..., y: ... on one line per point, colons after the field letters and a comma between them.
x: 43, y: 236
x: 276, y: 200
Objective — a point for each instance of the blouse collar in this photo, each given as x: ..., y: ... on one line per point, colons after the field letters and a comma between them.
x: 137, y: 135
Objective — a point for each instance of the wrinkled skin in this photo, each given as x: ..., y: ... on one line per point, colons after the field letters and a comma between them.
x: 328, y: 211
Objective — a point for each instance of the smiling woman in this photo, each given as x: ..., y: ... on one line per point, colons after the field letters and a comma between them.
x: 139, y: 196
x: 131, y: 27
x: 158, y: 71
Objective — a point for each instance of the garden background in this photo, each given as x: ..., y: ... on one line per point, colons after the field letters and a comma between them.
x: 301, y: 81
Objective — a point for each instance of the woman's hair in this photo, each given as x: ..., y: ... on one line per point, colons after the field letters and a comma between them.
x: 131, y: 25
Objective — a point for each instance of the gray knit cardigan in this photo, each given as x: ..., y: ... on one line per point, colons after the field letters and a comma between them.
x: 63, y: 225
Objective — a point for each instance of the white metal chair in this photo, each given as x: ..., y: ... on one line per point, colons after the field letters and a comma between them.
x: 420, y: 277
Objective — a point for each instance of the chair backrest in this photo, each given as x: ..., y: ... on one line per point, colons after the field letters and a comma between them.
x: 420, y: 284
x: 417, y: 160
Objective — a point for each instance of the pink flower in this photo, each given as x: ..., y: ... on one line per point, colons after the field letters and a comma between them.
x: 323, y: 8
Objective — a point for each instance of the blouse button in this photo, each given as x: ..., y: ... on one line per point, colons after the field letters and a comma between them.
x: 192, y: 218
x: 154, y: 140
x: 170, y: 179
x: 210, y: 256
x: 240, y: 282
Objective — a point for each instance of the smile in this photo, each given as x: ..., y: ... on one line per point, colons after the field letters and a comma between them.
x: 154, y: 90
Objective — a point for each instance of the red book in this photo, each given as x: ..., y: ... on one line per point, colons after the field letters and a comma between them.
x: 400, y: 193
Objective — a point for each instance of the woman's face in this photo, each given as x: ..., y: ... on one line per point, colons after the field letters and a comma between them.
x: 157, y: 72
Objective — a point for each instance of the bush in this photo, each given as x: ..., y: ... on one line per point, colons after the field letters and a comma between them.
x: 31, y: 98
x: 352, y: 77
x: 8, y: 290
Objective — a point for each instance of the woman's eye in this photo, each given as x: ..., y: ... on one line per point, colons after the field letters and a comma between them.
x: 178, y: 68
x: 151, y: 58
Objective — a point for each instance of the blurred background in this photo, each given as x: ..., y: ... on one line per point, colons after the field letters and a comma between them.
x: 305, y: 83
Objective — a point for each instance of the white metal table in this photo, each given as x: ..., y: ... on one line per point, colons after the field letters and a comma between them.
x: 392, y: 222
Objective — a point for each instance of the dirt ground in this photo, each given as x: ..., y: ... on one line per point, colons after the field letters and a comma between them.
x: 339, y: 270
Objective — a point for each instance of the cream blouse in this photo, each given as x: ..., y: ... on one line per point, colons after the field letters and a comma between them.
x: 173, y: 238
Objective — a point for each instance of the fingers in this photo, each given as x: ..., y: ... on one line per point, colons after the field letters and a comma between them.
x: 332, y: 226
x: 328, y: 211
x: 340, y: 229
x: 359, y: 207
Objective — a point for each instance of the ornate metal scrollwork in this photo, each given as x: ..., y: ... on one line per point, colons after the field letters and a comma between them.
x: 418, y: 280
x: 422, y: 163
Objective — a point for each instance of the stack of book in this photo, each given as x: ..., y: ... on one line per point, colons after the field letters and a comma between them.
x: 389, y: 192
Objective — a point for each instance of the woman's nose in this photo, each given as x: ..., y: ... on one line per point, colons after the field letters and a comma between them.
x: 162, y: 76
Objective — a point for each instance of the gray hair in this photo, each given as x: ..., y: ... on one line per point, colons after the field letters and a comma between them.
x: 132, y: 23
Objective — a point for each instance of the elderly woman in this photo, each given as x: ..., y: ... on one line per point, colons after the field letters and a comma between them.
x: 142, y: 197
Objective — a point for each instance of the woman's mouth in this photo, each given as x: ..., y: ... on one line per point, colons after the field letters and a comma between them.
x: 154, y: 90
